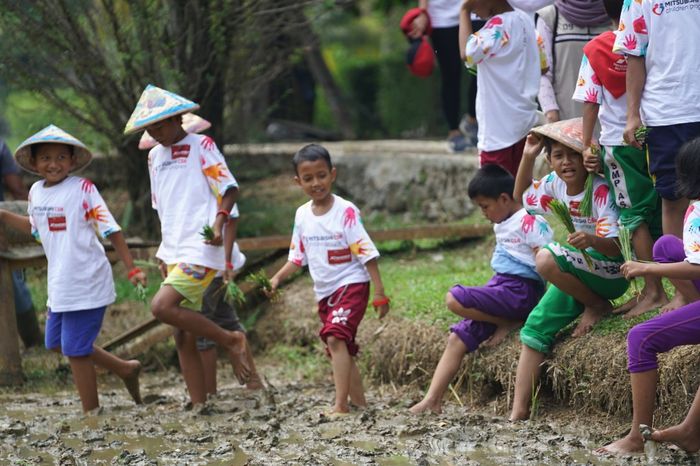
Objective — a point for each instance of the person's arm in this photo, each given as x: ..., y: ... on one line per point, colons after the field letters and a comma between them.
x: 546, y: 95
x: 18, y: 222
x: 605, y: 246
x: 13, y: 183
x: 230, y: 234
x: 635, y: 80
x: 120, y: 247
x: 523, y: 179
x: 420, y: 23
x: 676, y: 270
x: 227, y: 202
x: 379, y: 296
x: 281, y: 275
x: 465, y: 28
x: 591, y: 160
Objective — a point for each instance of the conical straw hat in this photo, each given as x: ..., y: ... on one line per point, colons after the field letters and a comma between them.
x: 52, y: 134
x: 567, y: 132
x: 154, y: 105
x: 190, y: 122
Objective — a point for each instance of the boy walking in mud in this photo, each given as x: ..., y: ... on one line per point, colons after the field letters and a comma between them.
x: 329, y: 237
x: 191, y: 188
x: 584, y: 274
x: 491, y: 311
x: 66, y: 215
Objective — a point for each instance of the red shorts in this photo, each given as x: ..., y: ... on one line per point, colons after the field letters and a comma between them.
x: 342, y: 312
x: 508, y: 158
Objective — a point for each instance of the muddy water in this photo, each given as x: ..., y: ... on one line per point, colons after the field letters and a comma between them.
x: 280, y: 426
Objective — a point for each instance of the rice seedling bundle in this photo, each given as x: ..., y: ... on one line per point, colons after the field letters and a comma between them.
x: 207, y: 233
x: 625, y: 239
x: 561, y: 211
x: 586, y: 205
x: 260, y: 280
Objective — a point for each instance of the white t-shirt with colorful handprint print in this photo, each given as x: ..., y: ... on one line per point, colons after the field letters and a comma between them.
x: 517, y: 239
x: 334, y: 245
x: 66, y: 219
x: 188, y: 180
x: 691, y: 233
x: 601, y: 223
x: 666, y: 33
x: 507, y: 57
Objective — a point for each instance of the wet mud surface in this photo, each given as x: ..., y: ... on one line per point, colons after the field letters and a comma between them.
x: 282, y: 426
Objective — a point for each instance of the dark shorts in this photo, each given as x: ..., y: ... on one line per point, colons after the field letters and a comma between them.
x: 508, y: 158
x: 216, y: 309
x: 663, y: 143
x: 342, y: 312
x: 74, y: 332
x: 506, y: 296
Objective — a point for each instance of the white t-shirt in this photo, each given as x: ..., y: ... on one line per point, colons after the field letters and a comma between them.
x: 66, y: 219
x: 517, y: 237
x: 601, y: 223
x: 188, y: 180
x: 334, y: 245
x: 691, y: 233
x: 667, y: 35
x: 507, y: 56
x: 444, y: 13
x: 612, y: 113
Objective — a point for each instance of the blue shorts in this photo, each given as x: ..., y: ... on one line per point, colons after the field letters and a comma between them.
x: 74, y: 332
x: 663, y: 143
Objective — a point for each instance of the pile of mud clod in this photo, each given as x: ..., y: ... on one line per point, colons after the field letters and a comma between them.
x: 587, y: 373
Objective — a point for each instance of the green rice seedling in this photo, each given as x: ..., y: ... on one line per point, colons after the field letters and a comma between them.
x: 641, y: 133
x: 207, y: 233
x: 141, y: 293
x: 625, y: 239
x: 472, y: 70
x: 586, y: 205
x: 261, y: 281
x: 561, y: 211
x: 233, y: 295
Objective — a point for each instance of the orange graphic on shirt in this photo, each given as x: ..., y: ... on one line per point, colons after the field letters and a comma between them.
x: 215, y: 172
x: 359, y: 248
x: 97, y: 213
x: 602, y: 227
x: 695, y: 247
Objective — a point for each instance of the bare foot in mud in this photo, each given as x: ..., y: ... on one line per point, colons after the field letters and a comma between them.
x: 589, y: 318
x: 684, y: 438
x: 677, y: 301
x: 625, y: 446
x: 425, y: 405
x: 634, y: 300
x: 238, y: 354
x: 501, y: 333
x: 648, y: 302
x: 131, y: 381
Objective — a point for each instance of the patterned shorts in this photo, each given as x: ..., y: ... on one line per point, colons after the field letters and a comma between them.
x: 191, y: 281
x: 342, y: 312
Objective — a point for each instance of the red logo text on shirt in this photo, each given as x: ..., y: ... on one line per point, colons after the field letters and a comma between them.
x: 180, y: 152
x: 57, y: 223
x: 339, y: 256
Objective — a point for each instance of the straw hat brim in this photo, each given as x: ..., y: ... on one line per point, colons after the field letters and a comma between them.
x: 171, y: 112
x: 23, y: 155
x: 566, y: 132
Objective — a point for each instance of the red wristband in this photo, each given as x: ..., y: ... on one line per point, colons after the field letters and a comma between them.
x: 226, y: 213
x: 229, y: 265
x: 133, y: 272
x: 381, y: 301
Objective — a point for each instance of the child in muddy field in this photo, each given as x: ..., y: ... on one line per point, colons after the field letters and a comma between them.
x: 601, y: 88
x: 491, y: 311
x: 222, y: 313
x: 584, y: 274
x: 191, y: 188
x: 329, y: 237
x: 679, y: 261
x: 66, y: 213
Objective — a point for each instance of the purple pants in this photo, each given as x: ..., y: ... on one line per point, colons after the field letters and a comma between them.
x: 506, y: 296
x: 665, y: 331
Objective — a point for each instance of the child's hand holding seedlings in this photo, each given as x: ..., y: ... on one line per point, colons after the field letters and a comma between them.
x: 580, y: 240
x: 632, y: 269
x: 591, y: 159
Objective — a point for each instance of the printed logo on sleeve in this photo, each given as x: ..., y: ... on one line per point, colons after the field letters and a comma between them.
x: 181, y: 151
x: 339, y: 256
x: 57, y: 223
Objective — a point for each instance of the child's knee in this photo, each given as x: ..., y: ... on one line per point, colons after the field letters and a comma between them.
x: 544, y: 262
x: 160, y: 307
x: 451, y: 303
x: 335, y: 344
x: 455, y: 342
x: 668, y: 248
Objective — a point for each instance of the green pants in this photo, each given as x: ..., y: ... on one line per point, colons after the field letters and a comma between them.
x: 627, y: 172
x: 557, y: 309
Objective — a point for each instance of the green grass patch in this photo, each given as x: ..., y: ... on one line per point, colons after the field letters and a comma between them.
x: 299, y: 362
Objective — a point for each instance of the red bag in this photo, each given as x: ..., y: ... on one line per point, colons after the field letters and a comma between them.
x: 420, y: 57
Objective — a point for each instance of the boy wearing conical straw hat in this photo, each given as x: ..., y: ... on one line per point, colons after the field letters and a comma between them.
x: 65, y: 213
x: 191, y: 188
x: 584, y: 274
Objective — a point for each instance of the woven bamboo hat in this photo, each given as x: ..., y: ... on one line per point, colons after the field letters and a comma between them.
x: 567, y: 132
x: 55, y: 135
x: 190, y: 122
x: 154, y: 105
